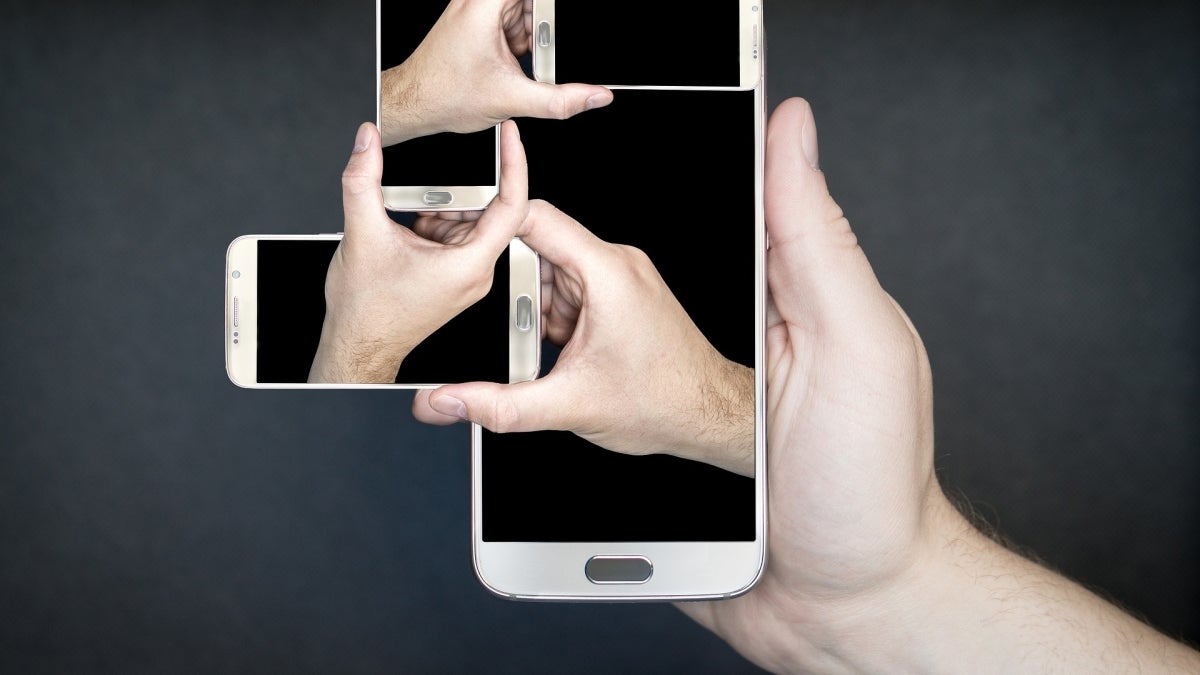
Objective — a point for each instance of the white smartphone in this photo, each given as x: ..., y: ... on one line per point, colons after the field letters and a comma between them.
x: 664, y: 44
x: 557, y: 518
x: 442, y: 172
x: 275, y: 306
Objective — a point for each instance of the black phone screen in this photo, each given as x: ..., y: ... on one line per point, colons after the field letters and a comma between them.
x: 291, y: 309
x: 672, y: 173
x: 691, y: 43
x: 445, y: 159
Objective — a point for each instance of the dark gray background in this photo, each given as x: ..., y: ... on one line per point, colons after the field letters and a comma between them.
x: 1022, y: 175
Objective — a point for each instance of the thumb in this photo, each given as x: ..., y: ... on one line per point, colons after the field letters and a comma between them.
x: 557, y: 101
x: 362, y: 197
x: 819, y: 277
x: 502, y: 408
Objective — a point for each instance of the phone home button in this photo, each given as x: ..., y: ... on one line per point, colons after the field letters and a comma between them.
x: 437, y: 198
x: 618, y: 569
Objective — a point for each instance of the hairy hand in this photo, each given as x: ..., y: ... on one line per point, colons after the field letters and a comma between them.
x: 654, y: 385
x: 389, y: 288
x: 465, y: 76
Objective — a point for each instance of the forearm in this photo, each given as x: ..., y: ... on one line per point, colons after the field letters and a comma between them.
x: 971, y: 605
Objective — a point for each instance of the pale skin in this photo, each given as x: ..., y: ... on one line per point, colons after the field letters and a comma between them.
x: 388, y: 288
x: 465, y: 76
x: 871, y: 569
x: 633, y: 391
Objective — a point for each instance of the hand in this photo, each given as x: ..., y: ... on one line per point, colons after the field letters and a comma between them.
x: 389, y: 288
x: 654, y: 386
x: 871, y: 568
x: 465, y: 76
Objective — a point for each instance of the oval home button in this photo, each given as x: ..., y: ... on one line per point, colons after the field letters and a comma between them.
x: 618, y: 569
x: 437, y: 198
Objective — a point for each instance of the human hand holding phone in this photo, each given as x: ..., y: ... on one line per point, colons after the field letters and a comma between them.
x: 872, y: 569
x: 388, y: 288
x: 465, y: 76
x: 635, y: 374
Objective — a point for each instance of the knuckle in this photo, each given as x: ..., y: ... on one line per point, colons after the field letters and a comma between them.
x: 506, y: 417
x: 354, y: 181
x: 558, y: 107
x: 640, y: 266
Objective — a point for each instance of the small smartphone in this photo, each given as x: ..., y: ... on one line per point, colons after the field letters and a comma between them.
x: 275, y: 307
x: 442, y: 172
x: 664, y: 44
x: 555, y: 517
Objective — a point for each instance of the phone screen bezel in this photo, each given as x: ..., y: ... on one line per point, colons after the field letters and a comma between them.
x: 682, y: 570
x: 241, y: 359
x: 403, y: 198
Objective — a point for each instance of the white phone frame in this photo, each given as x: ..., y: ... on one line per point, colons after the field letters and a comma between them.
x: 241, y: 315
x: 752, y: 51
x: 681, y: 570
x: 418, y: 197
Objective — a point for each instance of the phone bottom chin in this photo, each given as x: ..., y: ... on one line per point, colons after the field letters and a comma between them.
x: 660, y: 571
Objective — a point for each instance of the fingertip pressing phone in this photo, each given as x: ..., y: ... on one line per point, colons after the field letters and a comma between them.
x: 444, y: 171
x: 557, y: 518
x: 683, y: 44
x: 275, y: 308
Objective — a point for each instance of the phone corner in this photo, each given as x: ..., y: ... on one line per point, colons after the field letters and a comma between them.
x: 229, y: 250
x: 488, y: 585
x: 752, y: 583
x: 236, y: 378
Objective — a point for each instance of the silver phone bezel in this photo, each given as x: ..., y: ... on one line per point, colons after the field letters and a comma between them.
x: 554, y: 571
x: 402, y: 198
x: 241, y: 359
x: 752, y: 51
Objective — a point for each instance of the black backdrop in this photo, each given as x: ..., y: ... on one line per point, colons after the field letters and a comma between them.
x: 1022, y: 175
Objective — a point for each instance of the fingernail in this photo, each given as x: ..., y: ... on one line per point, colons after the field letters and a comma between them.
x: 596, y: 101
x: 808, y: 142
x: 448, y: 405
x: 363, y: 139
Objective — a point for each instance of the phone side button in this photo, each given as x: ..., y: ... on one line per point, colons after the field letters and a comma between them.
x: 618, y: 569
x: 524, y: 317
x: 544, y: 35
x: 437, y: 198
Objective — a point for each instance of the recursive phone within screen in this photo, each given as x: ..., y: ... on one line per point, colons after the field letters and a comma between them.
x: 291, y: 311
x: 665, y: 42
x: 678, y: 181
x: 445, y: 159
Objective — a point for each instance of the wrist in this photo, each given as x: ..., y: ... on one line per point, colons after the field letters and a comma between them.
x: 400, y: 108
x: 723, y: 435
x: 886, y: 626
x: 882, y: 630
x: 344, y: 358
x: 968, y: 604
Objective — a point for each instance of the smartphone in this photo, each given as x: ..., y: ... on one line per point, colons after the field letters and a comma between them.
x: 442, y: 172
x: 275, y: 307
x: 557, y: 518
x: 664, y: 44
